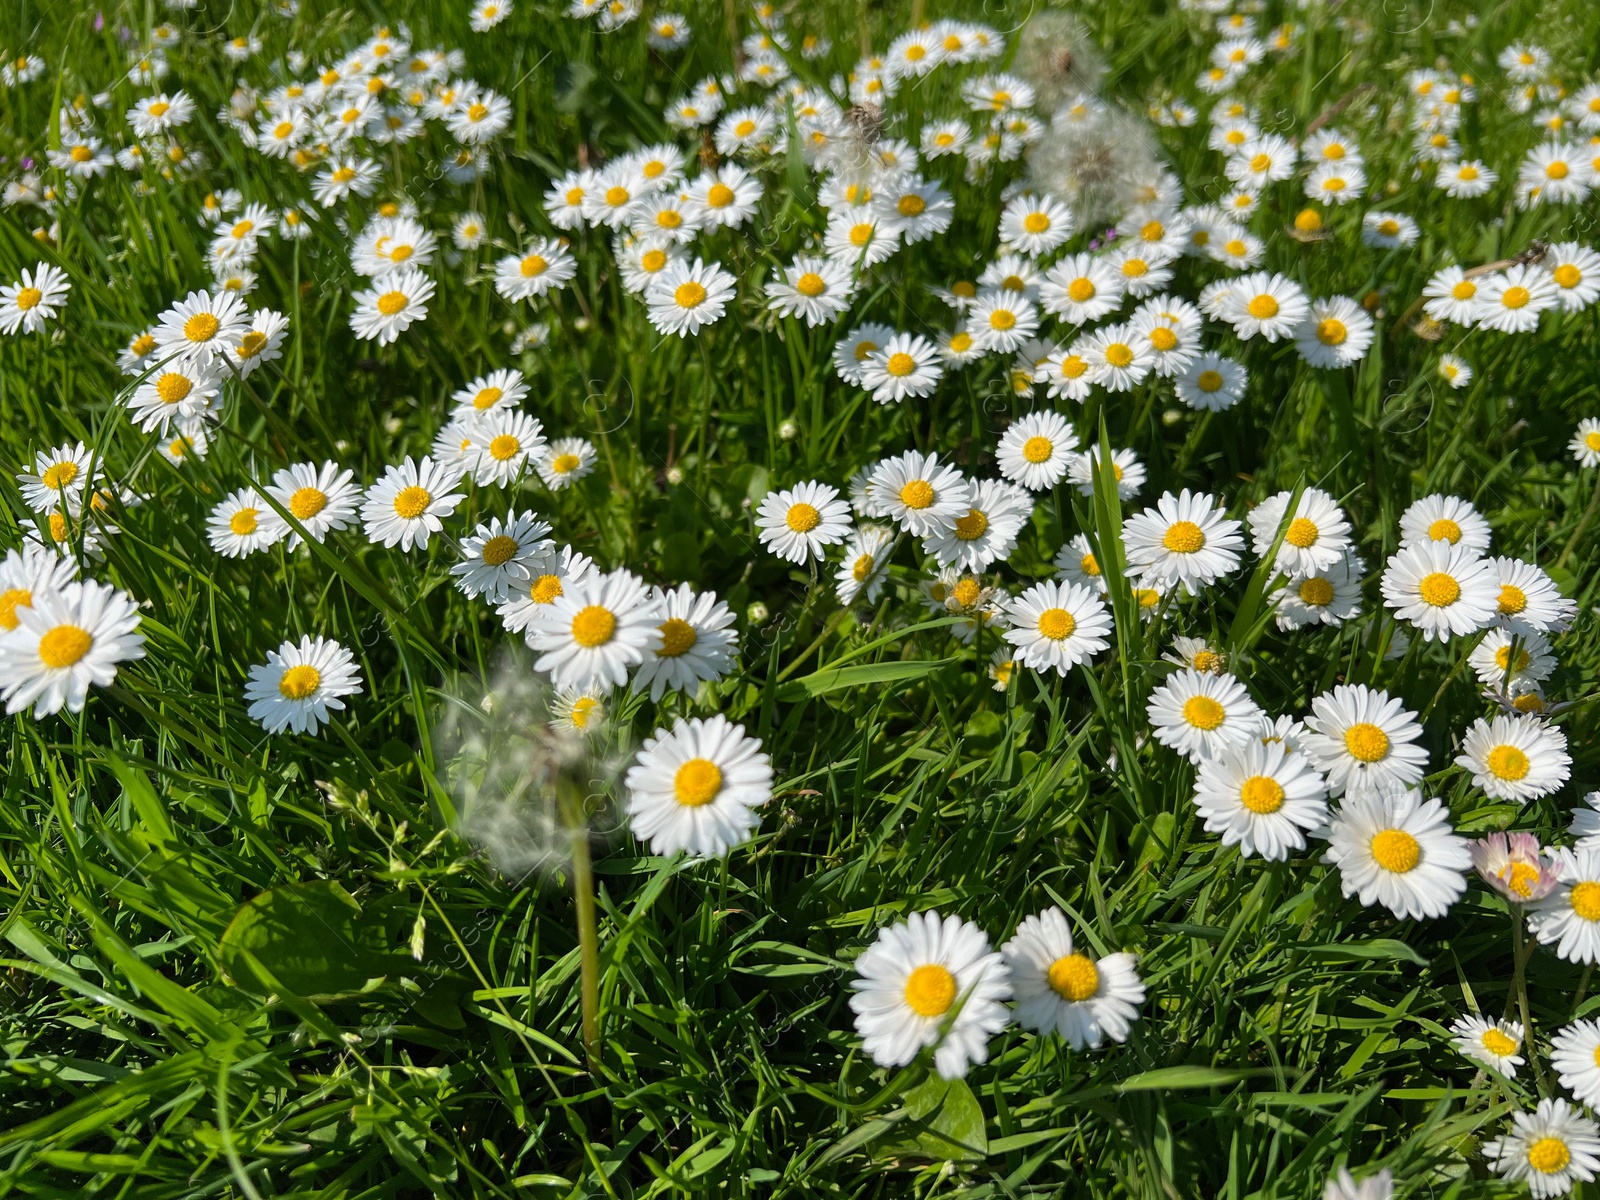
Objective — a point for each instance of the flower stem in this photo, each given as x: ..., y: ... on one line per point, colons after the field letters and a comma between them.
x: 1522, y: 950
x: 572, y: 810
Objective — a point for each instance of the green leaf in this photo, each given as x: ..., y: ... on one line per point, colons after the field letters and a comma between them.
x: 948, y: 1121
x: 312, y: 938
x: 832, y: 679
x: 1166, y: 1079
x: 1379, y: 948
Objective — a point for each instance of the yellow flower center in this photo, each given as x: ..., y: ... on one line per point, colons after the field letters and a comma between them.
x: 1439, y: 589
x: 307, y: 502
x: 720, y: 195
x: 59, y: 475
x: 1445, y: 530
x: 504, y: 447
x: 1498, y: 1043
x: 1567, y: 275
x: 1119, y: 354
x: 677, y: 638
x: 1072, y: 366
x: 802, y: 518
x: 1549, y: 1155
x: 1520, y: 878
x: 299, y: 682
x: 1302, y: 532
x: 910, y: 205
x: 1508, y: 763
x: 201, y: 327
x: 1057, y: 624
x: 81, y: 154
x: 1209, y: 381
x: 1089, y: 566
x: 930, y: 990
x: 1585, y: 900
x: 1147, y: 597
x: 1080, y: 290
x: 810, y: 284
x: 1207, y: 660
x: 1515, y: 297
x: 1203, y: 712
x: 901, y: 364
x: 1465, y: 290
x: 653, y: 260
x: 1133, y: 268
x: 1263, y: 307
x: 1557, y: 170
x: 862, y: 569
x: 1308, y: 220
x: 1037, y: 449
x: 545, y: 589
x: 697, y: 782
x: 917, y: 494
x: 250, y: 344
x: 1074, y: 978
x: 142, y: 345
x: 499, y: 549
x: 1183, y: 537
x: 391, y: 302
x: 411, y: 502
x: 1261, y: 794
x: 66, y: 644
x: 1396, y: 850
x: 282, y: 129
x: 1502, y: 659
x: 689, y: 295
x: 744, y: 128
x: 1036, y: 222
x: 1389, y: 228
x: 1163, y: 339
x: 972, y: 526
x: 1316, y: 592
x: 1331, y: 332
x: 593, y: 626
x: 1002, y: 319
x: 10, y: 600
x: 244, y: 521
x: 29, y: 297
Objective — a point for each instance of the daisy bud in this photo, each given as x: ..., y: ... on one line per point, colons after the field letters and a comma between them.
x: 1514, y: 865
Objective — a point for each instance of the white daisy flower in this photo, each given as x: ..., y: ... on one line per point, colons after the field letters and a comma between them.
x: 1575, y: 270
x: 58, y: 478
x: 930, y: 982
x: 1336, y: 333
x: 1513, y: 300
x: 596, y: 630
x: 865, y: 568
x: 556, y: 572
x: 1397, y: 850
x: 1317, y: 537
x: 1515, y: 758
x: 545, y: 266
x: 1058, y: 987
x: 1001, y: 320
x: 1506, y: 658
x: 1442, y: 590
x: 1261, y: 798
x: 1343, y: 1186
x: 1075, y: 563
x: 1056, y: 626
x: 1035, y: 225
x: 322, y: 499
x: 1389, y: 231
x: 1330, y: 596
x: 1466, y: 179
x: 1065, y: 373
x: 405, y: 508
x: 698, y: 789
x: 500, y: 558
x: 817, y: 290
x: 386, y: 310
x: 33, y: 570
x: 697, y: 645
x: 687, y: 296
x: 1455, y: 370
x: 1265, y: 305
x: 503, y: 442
x: 37, y: 298
x: 298, y: 684
x: 1125, y: 466
x: 564, y: 462
x: 487, y: 393
x: 987, y: 532
x: 918, y: 493
x: 1200, y: 715
x: 1529, y: 600
x: 63, y: 641
x: 1362, y: 740
x: 1183, y: 540
x: 1575, y: 1055
x: 1549, y: 1149
x: 913, y: 208
x: 1036, y: 449
x: 798, y: 523
x: 1211, y: 383
x: 727, y: 197
x: 1118, y: 358
x: 1081, y: 289
x: 1494, y: 1044
x: 1441, y: 518
x: 243, y: 523
x: 200, y: 329
x: 1451, y: 295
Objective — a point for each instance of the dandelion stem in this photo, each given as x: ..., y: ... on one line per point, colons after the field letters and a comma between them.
x: 572, y: 810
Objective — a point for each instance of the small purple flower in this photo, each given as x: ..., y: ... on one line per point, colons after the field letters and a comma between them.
x: 99, y: 21
x: 1514, y: 865
x: 27, y: 162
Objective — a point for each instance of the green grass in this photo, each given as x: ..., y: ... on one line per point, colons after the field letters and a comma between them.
x: 153, y: 1045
